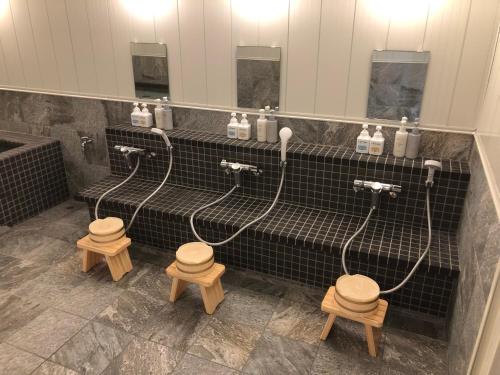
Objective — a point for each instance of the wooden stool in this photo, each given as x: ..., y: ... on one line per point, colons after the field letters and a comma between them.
x: 210, y: 285
x: 373, y: 322
x: 115, y: 252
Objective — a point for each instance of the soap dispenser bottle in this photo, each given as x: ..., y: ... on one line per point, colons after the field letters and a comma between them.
x: 245, y: 129
x: 160, y: 115
x: 401, y: 139
x: 169, y: 121
x: 135, y: 116
x: 377, y: 142
x: 363, y: 141
x: 232, y: 127
x: 413, y: 142
x: 146, y: 117
x: 272, y: 128
x: 262, y: 126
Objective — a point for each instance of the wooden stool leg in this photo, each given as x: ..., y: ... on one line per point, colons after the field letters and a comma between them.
x: 211, y: 297
x: 328, y: 326
x: 372, y: 348
x: 119, y: 264
x: 220, y: 290
x: 90, y: 259
x: 177, y: 288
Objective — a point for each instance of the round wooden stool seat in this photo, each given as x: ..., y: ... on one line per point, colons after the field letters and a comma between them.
x: 108, y: 238
x: 106, y: 227
x: 195, y: 258
x: 357, y: 289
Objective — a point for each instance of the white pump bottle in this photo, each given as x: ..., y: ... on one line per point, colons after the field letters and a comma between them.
x: 401, y: 139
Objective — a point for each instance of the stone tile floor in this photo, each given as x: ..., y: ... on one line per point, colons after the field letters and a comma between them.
x: 54, y: 319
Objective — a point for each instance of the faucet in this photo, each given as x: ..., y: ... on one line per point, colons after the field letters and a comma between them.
x: 128, y: 151
x: 84, y: 141
x: 237, y: 168
x: 376, y: 188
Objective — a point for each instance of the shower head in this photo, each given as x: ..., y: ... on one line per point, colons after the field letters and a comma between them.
x: 285, y: 135
x: 163, y: 135
x: 432, y: 165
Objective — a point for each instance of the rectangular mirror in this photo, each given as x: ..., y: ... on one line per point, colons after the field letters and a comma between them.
x: 150, y: 68
x: 397, y: 84
x: 258, y: 74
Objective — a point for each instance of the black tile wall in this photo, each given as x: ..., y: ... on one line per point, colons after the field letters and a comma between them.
x: 317, y: 176
x: 32, y: 176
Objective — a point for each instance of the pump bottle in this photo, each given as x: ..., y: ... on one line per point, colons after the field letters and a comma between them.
x: 272, y: 128
x: 232, y: 127
x: 135, y: 116
x: 169, y: 121
x: 146, y: 117
x: 262, y: 126
x: 363, y: 141
x: 413, y: 142
x: 400, y: 139
x: 245, y: 129
x: 377, y: 142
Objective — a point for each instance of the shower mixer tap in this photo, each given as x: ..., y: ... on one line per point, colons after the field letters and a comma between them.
x: 128, y: 151
x: 376, y: 188
x: 237, y: 168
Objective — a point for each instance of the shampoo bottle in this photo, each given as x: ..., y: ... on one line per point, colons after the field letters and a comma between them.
x: 169, y: 122
x: 401, y: 139
x: 262, y: 126
x: 377, y: 142
x: 146, y: 117
x: 363, y: 141
x: 413, y: 142
x: 232, y: 127
x: 272, y: 128
x: 160, y: 115
x: 135, y: 116
x: 245, y: 129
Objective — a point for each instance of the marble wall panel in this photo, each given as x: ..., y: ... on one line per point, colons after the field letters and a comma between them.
x: 69, y: 118
x: 479, y: 250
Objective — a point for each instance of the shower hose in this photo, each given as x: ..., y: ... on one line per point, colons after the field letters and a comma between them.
x: 410, y: 274
x: 128, y: 179
x: 191, y: 219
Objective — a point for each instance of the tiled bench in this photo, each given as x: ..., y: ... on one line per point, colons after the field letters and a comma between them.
x: 293, y: 242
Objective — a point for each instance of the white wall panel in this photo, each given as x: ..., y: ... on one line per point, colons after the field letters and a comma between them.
x: 120, y: 31
x: 192, y: 42
x: 8, y: 38
x: 370, y: 32
x: 474, y: 63
x: 142, y: 20
x: 273, y: 31
x: 489, y: 116
x: 303, y: 44
x: 4, y: 78
x: 444, y: 38
x: 337, y: 20
x: 44, y: 45
x: 63, y: 45
x: 83, y: 46
x: 86, y: 70
x: 26, y: 43
x: 167, y: 31
x: 102, y: 46
x: 407, y: 24
x: 218, y: 51
x: 245, y: 32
